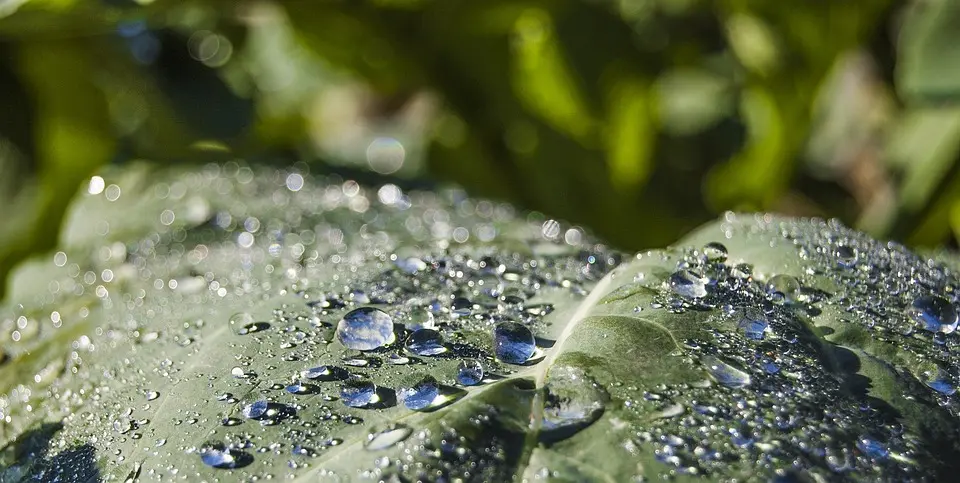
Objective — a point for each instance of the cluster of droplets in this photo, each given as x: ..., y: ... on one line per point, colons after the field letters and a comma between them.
x: 771, y: 400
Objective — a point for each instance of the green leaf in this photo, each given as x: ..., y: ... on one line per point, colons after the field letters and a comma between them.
x: 929, y: 66
x: 225, y: 283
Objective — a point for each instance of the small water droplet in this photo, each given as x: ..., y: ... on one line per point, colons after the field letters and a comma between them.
x: 688, y: 284
x: 388, y: 437
x: 216, y: 456
x: 298, y: 388
x: 934, y: 313
x: 366, y: 328
x: 873, y: 448
x: 421, y: 394
x: 513, y: 343
x: 461, y: 307
x: 425, y: 342
x: 358, y: 393
x: 470, y: 372
x: 846, y: 255
x: 151, y: 395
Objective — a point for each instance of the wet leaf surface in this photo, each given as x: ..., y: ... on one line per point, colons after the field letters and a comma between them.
x: 201, y: 337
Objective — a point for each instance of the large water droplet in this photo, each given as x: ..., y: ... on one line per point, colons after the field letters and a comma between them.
x: 939, y: 380
x: 217, y: 456
x: 725, y: 374
x: 934, y: 313
x: 754, y: 323
x: 572, y: 402
x: 470, y: 372
x: 358, y: 394
x: 255, y: 410
x: 513, y: 343
x: 715, y: 252
x: 388, y: 437
x: 421, y: 394
x: 425, y: 342
x: 411, y: 265
x: 325, y: 373
x: 784, y: 288
x: 688, y: 284
x: 365, y: 329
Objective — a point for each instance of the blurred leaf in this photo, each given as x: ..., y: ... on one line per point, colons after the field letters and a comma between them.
x: 71, y: 137
x: 928, y: 69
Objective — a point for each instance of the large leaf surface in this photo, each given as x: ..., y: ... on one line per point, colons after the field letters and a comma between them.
x: 640, y: 375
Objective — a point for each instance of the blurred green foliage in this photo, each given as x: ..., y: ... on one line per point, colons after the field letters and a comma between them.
x: 638, y: 119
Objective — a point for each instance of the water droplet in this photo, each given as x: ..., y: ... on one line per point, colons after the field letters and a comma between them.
x: 151, y: 395
x: 785, y: 288
x: 939, y: 380
x: 846, y: 255
x: 298, y: 388
x: 398, y: 360
x: 513, y: 343
x: 715, y: 252
x: 365, y: 329
x: 573, y: 401
x: 470, y: 372
x: 425, y: 342
x: 359, y: 297
x: 873, y: 448
x: 358, y: 393
x: 325, y: 373
x: 421, y: 394
x: 934, y: 313
x: 387, y: 438
x: 255, y: 410
x: 461, y: 307
x: 253, y: 327
x: 688, y: 284
x: 410, y: 265
x: 754, y: 323
x: 725, y: 374
x: 216, y: 456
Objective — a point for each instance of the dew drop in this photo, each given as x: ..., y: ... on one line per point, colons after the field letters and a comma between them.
x: 715, y: 252
x: 470, y: 372
x: 425, y: 342
x: 573, y: 401
x: 421, y: 394
x: 784, y: 287
x: 365, y: 329
x: 872, y: 448
x: 325, y: 373
x: 461, y: 307
x: 725, y: 374
x: 216, y: 456
x: 358, y: 393
x: 387, y: 438
x: 934, y: 313
x: 410, y: 265
x: 151, y: 395
x: 688, y: 284
x: 255, y: 410
x: 513, y: 343
x: 754, y: 323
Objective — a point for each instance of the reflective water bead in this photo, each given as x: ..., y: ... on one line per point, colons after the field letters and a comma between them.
x: 934, y: 313
x: 872, y: 448
x: 470, y: 372
x: 365, y: 329
x: 725, y: 374
x: 754, y: 323
x: 688, y: 284
x: 425, y: 342
x: 461, y: 307
x: 784, y: 287
x: 421, y: 394
x: 324, y: 373
x: 255, y: 410
x: 387, y: 438
x: 846, y: 255
x: 573, y: 401
x: 513, y: 343
x: 715, y: 252
x: 358, y: 393
x: 217, y: 456
x: 410, y: 265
